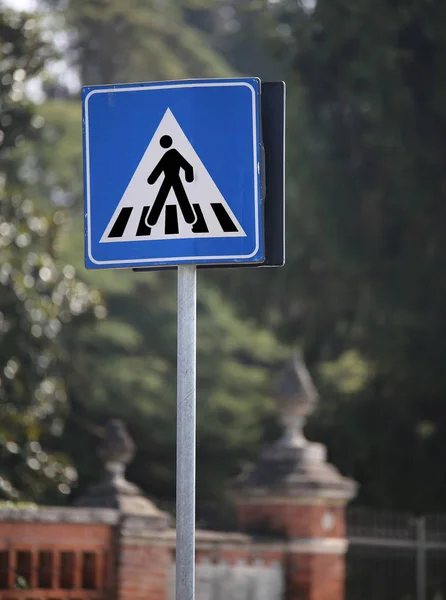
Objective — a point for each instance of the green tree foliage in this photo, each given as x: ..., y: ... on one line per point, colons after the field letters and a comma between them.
x: 137, y: 40
x: 366, y: 212
x: 38, y: 300
x: 134, y: 354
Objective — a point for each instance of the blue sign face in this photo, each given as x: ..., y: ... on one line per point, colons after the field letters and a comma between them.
x: 172, y: 173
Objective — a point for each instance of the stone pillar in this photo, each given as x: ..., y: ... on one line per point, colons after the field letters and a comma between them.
x: 144, y: 560
x: 142, y: 550
x: 293, y: 493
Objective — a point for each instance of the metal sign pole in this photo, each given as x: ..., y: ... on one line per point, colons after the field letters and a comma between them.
x: 421, y: 558
x: 186, y: 426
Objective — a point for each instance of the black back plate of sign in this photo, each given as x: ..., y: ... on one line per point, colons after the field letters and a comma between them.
x: 273, y: 135
x: 273, y: 177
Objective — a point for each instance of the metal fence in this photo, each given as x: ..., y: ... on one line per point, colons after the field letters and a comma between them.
x: 395, y: 556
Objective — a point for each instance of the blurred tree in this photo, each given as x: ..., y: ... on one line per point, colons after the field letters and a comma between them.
x: 134, y: 358
x: 38, y: 300
x: 367, y: 211
x: 112, y: 41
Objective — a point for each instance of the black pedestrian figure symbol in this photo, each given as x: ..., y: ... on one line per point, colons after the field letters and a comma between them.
x: 171, y: 164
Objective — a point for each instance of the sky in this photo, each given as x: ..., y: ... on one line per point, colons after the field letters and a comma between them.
x: 20, y: 4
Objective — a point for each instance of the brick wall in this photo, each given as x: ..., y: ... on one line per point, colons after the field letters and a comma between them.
x: 315, y: 530
x: 292, y: 519
x: 315, y: 577
x: 143, y: 572
x: 97, y: 555
x: 56, y: 558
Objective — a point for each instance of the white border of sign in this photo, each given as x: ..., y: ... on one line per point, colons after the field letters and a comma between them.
x: 112, y: 89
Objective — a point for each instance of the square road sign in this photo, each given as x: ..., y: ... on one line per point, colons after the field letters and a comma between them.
x: 172, y: 173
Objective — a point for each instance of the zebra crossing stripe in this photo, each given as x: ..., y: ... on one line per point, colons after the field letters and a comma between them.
x: 120, y: 224
x: 143, y: 228
x: 200, y: 224
x: 171, y: 225
x: 171, y: 222
x: 223, y: 217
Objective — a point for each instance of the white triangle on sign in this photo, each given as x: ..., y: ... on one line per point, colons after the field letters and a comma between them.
x: 211, y: 215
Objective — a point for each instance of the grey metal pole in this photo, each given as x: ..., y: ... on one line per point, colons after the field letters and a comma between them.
x: 421, y: 558
x: 186, y: 426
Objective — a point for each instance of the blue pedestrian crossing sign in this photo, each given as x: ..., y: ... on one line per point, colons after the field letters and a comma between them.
x: 172, y: 173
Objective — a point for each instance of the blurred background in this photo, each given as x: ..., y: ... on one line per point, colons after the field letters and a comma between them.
x: 362, y: 293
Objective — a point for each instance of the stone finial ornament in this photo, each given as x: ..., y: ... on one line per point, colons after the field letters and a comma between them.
x: 114, y: 491
x: 294, y: 466
x: 296, y: 398
x: 117, y: 449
